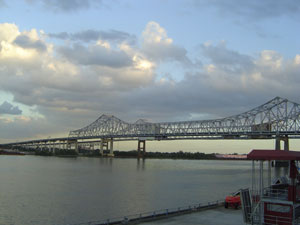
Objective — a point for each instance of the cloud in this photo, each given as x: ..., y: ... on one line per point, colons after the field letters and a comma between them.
x: 158, y: 46
x: 96, y: 55
x: 7, y: 108
x: 225, y: 59
x: 2, y: 4
x: 26, y: 42
x: 67, y: 5
x: 71, y: 84
x: 253, y: 10
x: 8, y: 32
x: 69, y: 77
x: 219, y: 54
x: 94, y: 35
x: 20, y: 46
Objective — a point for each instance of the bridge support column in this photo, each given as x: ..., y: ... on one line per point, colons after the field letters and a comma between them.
x: 101, y: 146
x: 49, y: 146
x: 141, y: 151
x: 91, y: 146
x: 108, y: 145
x: 111, y: 150
x: 76, y: 146
x: 71, y: 142
x: 277, y: 143
x: 53, y: 147
x: 286, y: 143
x: 285, y: 140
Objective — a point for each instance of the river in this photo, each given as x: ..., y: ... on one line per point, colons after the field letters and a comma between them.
x: 53, y: 190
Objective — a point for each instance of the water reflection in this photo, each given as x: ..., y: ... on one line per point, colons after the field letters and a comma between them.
x: 106, y: 161
x: 140, y: 164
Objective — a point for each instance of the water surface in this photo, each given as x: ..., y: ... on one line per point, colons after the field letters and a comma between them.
x: 53, y: 190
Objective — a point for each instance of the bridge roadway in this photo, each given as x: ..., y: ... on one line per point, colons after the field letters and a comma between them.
x: 277, y: 119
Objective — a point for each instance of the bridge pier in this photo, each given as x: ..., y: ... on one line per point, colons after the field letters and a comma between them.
x: 92, y: 146
x: 278, y: 139
x: 71, y: 142
x: 108, y: 144
x: 101, y: 147
x: 141, y: 150
x: 285, y: 140
x: 111, y: 151
x: 51, y: 146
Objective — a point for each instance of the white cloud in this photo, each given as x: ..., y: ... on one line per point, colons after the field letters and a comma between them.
x: 158, y: 46
x: 8, y: 32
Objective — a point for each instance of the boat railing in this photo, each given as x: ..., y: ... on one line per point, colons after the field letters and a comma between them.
x: 276, y: 193
x: 274, y: 220
x: 153, y: 215
x: 255, y: 215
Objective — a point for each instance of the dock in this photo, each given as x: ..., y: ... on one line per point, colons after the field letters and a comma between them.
x: 211, y: 213
x: 214, y: 216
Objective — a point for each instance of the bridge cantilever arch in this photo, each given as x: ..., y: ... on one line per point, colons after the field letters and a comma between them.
x: 277, y: 119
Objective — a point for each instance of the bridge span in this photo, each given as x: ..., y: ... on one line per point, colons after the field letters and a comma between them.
x: 277, y: 119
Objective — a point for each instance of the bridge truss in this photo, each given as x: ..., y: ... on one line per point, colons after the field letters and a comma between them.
x: 278, y: 117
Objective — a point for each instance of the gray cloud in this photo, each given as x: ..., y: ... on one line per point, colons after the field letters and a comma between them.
x: 7, y: 108
x: 94, y: 35
x: 2, y: 3
x: 96, y: 55
x: 61, y: 35
x: 158, y: 51
x: 254, y: 9
x: 68, y: 5
x: 225, y: 58
x: 26, y: 42
x: 221, y: 55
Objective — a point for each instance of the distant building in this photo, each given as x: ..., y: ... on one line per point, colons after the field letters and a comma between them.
x: 230, y: 156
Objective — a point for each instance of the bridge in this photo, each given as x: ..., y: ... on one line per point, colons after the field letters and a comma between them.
x: 277, y: 119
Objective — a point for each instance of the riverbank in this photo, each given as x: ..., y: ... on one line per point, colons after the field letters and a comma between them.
x: 132, y: 154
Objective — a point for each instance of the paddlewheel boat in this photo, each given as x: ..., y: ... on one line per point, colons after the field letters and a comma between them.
x: 272, y: 203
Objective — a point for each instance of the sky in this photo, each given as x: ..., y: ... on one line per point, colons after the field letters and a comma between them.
x: 64, y: 63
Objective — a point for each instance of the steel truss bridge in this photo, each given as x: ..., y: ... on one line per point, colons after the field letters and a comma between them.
x: 277, y: 119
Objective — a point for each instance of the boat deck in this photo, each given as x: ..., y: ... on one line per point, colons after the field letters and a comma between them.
x: 216, y: 216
